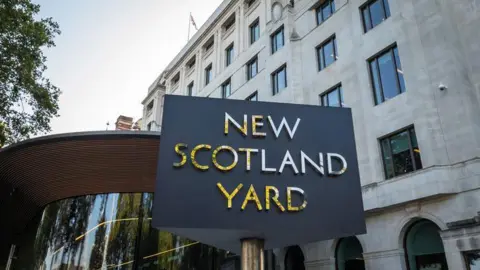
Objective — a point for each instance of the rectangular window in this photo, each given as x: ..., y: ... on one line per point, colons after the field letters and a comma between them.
x: 472, y: 259
x: 386, y: 75
x: 208, y: 74
x: 254, y: 31
x: 190, y: 89
x: 400, y: 152
x: 229, y: 55
x: 149, y: 126
x: 229, y: 23
x: 279, y: 80
x: 191, y: 63
x: 209, y: 44
x: 252, y: 68
x: 253, y: 97
x: 277, y: 39
x: 250, y: 3
x: 226, y: 89
x: 327, y: 53
x: 374, y: 12
x: 150, y: 106
x: 325, y: 10
x: 176, y: 79
x: 333, y: 97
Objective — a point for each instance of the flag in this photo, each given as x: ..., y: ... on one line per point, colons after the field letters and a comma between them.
x: 193, y: 21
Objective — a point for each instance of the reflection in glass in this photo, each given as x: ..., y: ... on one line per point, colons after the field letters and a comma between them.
x: 113, y: 231
x: 401, y: 154
x: 387, y: 75
x: 327, y: 53
x: 472, y: 259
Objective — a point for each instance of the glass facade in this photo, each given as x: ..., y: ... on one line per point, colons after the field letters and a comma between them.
x: 112, y: 231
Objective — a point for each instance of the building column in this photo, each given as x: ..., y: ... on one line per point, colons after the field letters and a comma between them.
x: 380, y: 260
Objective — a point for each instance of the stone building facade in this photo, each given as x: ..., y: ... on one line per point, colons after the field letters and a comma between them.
x: 410, y: 71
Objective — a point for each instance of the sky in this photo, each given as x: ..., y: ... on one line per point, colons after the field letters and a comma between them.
x: 110, y: 52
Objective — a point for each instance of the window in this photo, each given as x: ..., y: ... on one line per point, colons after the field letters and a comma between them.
x: 472, y: 259
x: 176, y: 79
x: 254, y: 31
x: 327, y: 53
x: 386, y: 75
x: 400, y: 152
x: 374, y: 12
x: 277, y: 40
x: 333, y: 97
x: 253, y: 97
x: 250, y: 3
x: 325, y: 10
x: 252, y: 68
x: 150, y: 106
x: 190, y: 89
x: 229, y: 23
x: 208, y: 74
x: 149, y: 126
x: 191, y: 63
x: 229, y: 55
x: 226, y: 89
x: 209, y: 44
x: 279, y: 79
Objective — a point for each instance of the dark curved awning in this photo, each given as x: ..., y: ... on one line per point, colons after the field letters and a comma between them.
x: 36, y: 172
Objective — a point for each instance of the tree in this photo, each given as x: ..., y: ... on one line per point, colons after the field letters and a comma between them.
x: 28, y: 100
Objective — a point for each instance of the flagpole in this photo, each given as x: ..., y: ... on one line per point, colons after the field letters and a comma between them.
x: 189, y: 23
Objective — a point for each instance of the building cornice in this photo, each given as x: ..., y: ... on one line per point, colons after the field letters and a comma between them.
x: 201, y: 34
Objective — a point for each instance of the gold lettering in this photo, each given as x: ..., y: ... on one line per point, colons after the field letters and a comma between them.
x: 229, y: 167
x: 243, y: 129
x: 178, y: 150
x: 257, y: 121
x: 193, y: 154
x: 248, y: 151
x: 274, y: 198
x: 289, y: 199
x: 252, y: 196
x: 229, y: 197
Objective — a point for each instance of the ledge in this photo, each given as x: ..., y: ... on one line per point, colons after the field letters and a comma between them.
x: 430, y: 182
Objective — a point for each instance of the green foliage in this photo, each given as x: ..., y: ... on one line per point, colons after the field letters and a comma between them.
x: 28, y: 100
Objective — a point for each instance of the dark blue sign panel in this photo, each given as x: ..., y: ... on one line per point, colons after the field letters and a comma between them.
x: 231, y: 169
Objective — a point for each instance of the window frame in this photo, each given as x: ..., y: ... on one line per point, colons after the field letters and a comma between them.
x: 191, y: 63
x: 229, y: 23
x: 176, y: 79
x: 224, y: 84
x: 275, y: 89
x: 254, y: 94
x: 229, y: 57
x: 366, y: 6
x: 208, y: 70
x: 319, y: 9
x: 320, y: 50
x: 209, y: 44
x: 330, y: 90
x: 388, y: 137
x: 249, y: 64
x: 252, y: 26
x: 389, y: 49
x: 281, y: 29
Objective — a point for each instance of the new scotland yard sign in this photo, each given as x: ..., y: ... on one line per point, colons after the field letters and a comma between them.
x: 231, y: 169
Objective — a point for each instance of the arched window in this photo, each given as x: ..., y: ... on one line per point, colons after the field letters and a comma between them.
x: 424, y: 247
x: 349, y: 254
x: 294, y: 259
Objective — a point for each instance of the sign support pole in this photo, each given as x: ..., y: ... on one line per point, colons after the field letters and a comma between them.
x: 252, y: 254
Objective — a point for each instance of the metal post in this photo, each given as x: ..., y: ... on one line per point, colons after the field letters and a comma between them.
x: 10, y: 257
x: 252, y: 254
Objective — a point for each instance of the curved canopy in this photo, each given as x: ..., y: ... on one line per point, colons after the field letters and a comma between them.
x: 36, y: 172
